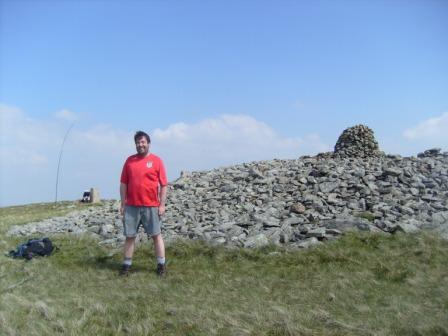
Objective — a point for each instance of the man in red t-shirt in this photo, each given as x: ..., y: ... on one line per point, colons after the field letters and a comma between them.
x: 143, y: 195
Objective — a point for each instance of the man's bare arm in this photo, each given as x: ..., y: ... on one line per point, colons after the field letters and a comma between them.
x: 123, y: 192
x: 162, y: 197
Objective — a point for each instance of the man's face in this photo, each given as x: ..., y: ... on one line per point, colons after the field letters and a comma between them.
x: 142, y: 146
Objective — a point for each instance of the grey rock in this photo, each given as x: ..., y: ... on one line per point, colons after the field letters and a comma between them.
x: 292, y: 221
x: 318, y: 233
x: 393, y: 171
x: 407, y: 227
x: 327, y: 187
x: 440, y: 218
x: 333, y: 231
x: 256, y: 241
x: 310, y: 242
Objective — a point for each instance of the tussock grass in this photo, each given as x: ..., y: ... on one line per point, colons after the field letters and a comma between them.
x: 357, y: 285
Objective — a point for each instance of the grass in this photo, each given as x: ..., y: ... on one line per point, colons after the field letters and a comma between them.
x: 38, y: 211
x: 366, y: 215
x: 358, y: 285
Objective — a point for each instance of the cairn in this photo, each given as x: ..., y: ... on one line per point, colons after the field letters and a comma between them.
x: 357, y: 141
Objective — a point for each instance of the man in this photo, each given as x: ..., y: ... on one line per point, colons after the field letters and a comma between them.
x: 143, y: 191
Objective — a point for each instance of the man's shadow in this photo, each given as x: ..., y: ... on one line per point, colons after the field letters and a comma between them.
x: 113, y: 259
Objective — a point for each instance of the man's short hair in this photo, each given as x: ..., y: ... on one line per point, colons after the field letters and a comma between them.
x: 140, y: 134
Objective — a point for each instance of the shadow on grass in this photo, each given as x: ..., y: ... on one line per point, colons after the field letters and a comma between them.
x: 84, y: 253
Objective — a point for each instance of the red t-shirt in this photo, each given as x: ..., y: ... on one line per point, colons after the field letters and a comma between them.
x: 143, y: 175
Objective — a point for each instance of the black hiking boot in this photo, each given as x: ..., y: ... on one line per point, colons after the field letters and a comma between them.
x: 161, y: 270
x: 125, y: 270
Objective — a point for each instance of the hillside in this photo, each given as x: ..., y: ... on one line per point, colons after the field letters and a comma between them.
x: 386, y: 273
x: 360, y: 284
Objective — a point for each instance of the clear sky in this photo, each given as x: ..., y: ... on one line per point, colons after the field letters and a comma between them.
x: 213, y: 82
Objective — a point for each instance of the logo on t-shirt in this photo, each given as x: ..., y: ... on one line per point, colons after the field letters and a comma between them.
x: 149, y: 164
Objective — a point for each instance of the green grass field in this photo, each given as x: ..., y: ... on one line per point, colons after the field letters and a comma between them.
x: 358, y: 285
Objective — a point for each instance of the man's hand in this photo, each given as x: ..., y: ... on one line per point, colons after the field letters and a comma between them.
x: 122, y: 209
x: 161, y: 210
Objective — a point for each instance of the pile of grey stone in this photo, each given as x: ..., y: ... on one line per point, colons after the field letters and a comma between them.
x: 303, y: 201
x: 297, y: 203
x: 357, y: 141
x: 103, y: 222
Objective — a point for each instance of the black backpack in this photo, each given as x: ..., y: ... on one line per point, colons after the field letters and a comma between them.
x: 33, y: 247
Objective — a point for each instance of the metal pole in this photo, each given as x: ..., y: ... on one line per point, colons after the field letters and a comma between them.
x: 59, y: 161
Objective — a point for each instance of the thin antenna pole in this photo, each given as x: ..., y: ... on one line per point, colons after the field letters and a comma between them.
x: 59, y: 161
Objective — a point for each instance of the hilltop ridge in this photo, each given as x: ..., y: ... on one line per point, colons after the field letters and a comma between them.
x: 294, y: 202
x: 297, y: 202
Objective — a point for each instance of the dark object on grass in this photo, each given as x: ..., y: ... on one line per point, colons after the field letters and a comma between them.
x: 86, y: 196
x: 33, y: 247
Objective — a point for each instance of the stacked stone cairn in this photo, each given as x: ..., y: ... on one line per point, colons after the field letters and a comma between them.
x: 295, y: 203
x: 358, y: 142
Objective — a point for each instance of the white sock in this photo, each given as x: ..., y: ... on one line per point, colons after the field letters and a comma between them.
x: 127, y: 261
x: 161, y: 260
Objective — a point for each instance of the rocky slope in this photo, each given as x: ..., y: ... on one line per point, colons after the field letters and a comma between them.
x: 293, y: 202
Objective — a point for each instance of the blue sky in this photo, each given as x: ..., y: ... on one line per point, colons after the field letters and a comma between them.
x: 214, y: 83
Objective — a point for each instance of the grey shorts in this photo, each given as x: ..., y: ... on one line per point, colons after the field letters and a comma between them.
x: 134, y: 216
